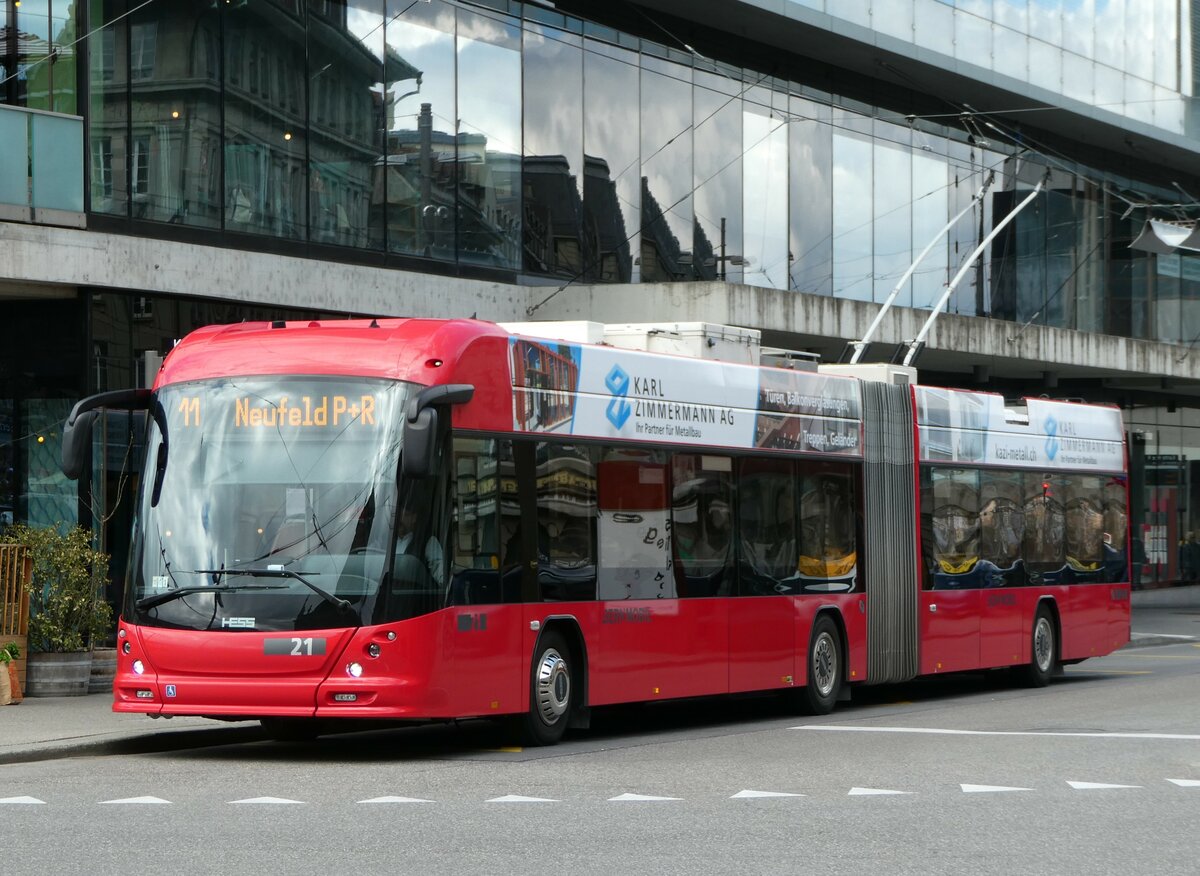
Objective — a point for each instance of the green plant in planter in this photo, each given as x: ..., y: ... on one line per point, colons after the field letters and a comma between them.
x: 10, y: 652
x: 67, y: 610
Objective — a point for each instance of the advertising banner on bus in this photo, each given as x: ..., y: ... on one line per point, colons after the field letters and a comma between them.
x: 972, y: 428
x: 604, y: 392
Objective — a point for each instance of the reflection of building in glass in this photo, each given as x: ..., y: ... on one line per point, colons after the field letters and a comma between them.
x: 605, y: 234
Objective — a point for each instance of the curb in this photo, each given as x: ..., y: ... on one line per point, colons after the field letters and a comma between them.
x: 116, y: 743
x: 1151, y: 640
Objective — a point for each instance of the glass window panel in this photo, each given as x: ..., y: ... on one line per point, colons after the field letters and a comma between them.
x: 930, y: 212
x: 968, y: 170
x: 56, y: 146
x: 345, y: 86
x: 852, y: 213
x: 1064, y: 257
x: 702, y: 524
x: 764, y: 199
x: 418, y: 186
x: 1110, y: 90
x: 810, y: 173
x: 1079, y: 78
x: 637, y: 548
x: 950, y: 501
x: 1108, y: 18
x: 934, y: 26
x: 1011, y: 52
x: 894, y: 18
x: 1167, y: 46
x: 666, y: 144
x: 1045, y: 544
x: 1001, y: 527
x: 35, y: 70
x: 175, y: 159
x: 828, y: 553
x: 566, y: 514
x: 1083, y: 515
x: 63, y: 74
x: 612, y: 184
x: 1045, y: 21
x: 856, y: 11
x: 717, y: 253
x: 1167, y: 298
x: 1169, y: 109
x: 973, y: 33
x: 1138, y: 35
x: 768, y: 550
x: 553, y: 159
x: 265, y: 172
x: 107, y: 113
x: 474, y: 542
x: 1078, y: 30
x: 1139, y: 101
x: 1045, y: 65
x: 1088, y: 264
x: 489, y: 140
x: 892, y: 220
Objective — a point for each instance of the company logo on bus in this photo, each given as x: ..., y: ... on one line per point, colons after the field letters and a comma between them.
x: 618, y: 410
x: 1052, y: 437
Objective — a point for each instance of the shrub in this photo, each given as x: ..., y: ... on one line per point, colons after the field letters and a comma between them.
x: 67, y: 609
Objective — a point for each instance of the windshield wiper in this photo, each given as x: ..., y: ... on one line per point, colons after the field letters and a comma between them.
x: 340, y: 604
x: 177, y: 592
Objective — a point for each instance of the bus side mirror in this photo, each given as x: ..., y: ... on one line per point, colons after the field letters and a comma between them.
x: 421, y: 425
x: 77, y: 432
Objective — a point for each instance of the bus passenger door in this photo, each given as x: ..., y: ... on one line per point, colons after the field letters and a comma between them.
x: 949, y: 630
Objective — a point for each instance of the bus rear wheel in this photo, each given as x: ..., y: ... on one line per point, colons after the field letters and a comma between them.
x: 551, y: 693
x: 1043, y: 650
x: 824, y: 668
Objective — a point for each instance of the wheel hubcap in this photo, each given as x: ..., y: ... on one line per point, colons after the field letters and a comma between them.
x: 553, y: 686
x: 824, y: 664
x: 1043, y: 644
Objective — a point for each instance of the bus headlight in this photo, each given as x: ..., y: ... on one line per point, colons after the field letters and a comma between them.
x: 138, y: 668
x: 354, y: 670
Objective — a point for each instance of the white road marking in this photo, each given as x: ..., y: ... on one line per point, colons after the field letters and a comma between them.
x: 873, y: 792
x: 1097, y: 786
x: 517, y: 798
x: 1185, y: 783
x: 395, y: 800
x: 628, y: 798
x: 987, y: 789
x: 21, y: 801
x: 269, y: 800
x: 935, y: 731
x: 151, y: 800
x: 748, y: 795
x: 1160, y: 636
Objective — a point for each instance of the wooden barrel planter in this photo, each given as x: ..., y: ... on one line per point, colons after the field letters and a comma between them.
x: 104, y: 670
x: 52, y: 674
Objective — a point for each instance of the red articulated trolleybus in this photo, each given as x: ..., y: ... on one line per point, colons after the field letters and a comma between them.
x: 437, y: 519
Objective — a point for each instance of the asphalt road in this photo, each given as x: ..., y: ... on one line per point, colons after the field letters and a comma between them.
x: 1099, y: 773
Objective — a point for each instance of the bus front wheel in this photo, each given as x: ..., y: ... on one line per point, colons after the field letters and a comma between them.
x: 824, y: 680
x: 1043, y: 650
x: 551, y: 692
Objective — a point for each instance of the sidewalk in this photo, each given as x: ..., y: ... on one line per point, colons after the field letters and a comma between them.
x: 48, y: 727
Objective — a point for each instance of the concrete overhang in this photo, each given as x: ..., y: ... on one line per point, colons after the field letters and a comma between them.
x: 38, y: 259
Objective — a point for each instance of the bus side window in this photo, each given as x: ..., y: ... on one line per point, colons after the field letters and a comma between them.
x: 474, y: 544
x: 767, y: 516
x: 701, y: 524
x: 566, y: 521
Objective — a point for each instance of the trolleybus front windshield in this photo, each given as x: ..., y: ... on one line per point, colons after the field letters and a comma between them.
x: 268, y: 505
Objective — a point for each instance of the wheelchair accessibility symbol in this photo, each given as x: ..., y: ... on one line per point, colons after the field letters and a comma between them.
x: 170, y: 690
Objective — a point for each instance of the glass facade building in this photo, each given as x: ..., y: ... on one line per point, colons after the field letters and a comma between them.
x: 534, y: 143
x: 537, y: 144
